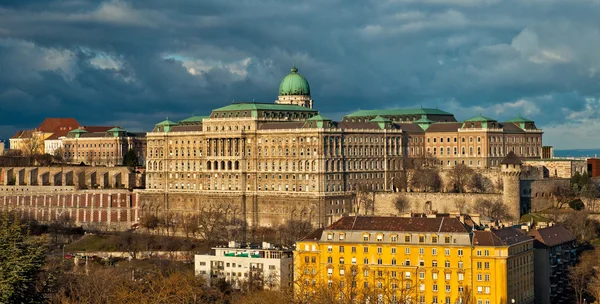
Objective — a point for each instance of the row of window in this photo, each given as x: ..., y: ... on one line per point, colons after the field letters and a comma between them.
x: 380, y: 237
x: 491, y: 139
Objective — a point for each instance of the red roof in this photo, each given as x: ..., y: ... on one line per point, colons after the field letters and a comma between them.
x: 408, y: 224
x: 552, y: 236
x: 53, y: 125
x: 23, y: 134
x: 501, y: 237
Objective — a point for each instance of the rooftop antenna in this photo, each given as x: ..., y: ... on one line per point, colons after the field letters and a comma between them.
x: 252, y: 99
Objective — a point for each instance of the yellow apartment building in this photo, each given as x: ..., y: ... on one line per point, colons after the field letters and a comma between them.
x: 431, y: 259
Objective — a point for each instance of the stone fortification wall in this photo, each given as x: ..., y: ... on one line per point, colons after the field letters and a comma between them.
x: 113, y: 209
x: 441, y: 202
x: 82, y: 177
x: 267, y: 210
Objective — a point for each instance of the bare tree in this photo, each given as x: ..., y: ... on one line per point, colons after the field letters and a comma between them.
x: 581, y: 276
x: 400, y: 182
x: 293, y: 230
x: 461, y: 176
x: 58, y: 155
x: 461, y: 205
x: 563, y: 194
x: 189, y: 225
x: 580, y: 225
x: 401, y: 203
x: 426, y: 179
x: 492, y: 208
x: 32, y: 146
x: 212, y: 226
x: 149, y: 221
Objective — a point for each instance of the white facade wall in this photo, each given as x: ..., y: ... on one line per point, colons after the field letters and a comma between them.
x: 276, y: 272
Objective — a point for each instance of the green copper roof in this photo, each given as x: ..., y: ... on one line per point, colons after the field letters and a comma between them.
x: 318, y: 121
x: 194, y: 119
x: 380, y: 119
x: 166, y: 122
x: 520, y: 119
x: 319, y: 118
x: 480, y: 118
x: 116, y: 129
x: 294, y: 84
x: 423, y: 120
x: 253, y: 106
x: 396, y: 112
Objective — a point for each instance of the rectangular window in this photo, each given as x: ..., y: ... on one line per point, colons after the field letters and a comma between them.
x: 393, y: 250
x: 433, y: 251
x: 407, y: 238
x: 421, y: 251
x: 341, y: 249
x: 447, y: 252
x: 460, y: 252
x: 379, y: 250
x: 406, y: 250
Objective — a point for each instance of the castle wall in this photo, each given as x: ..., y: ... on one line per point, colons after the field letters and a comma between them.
x: 77, y: 176
x: 267, y: 210
x: 441, y: 202
x: 114, y: 208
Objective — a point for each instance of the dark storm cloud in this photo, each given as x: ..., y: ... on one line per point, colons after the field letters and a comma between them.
x: 135, y: 62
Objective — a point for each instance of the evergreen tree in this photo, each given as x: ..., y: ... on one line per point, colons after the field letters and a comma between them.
x: 130, y: 159
x: 21, y: 259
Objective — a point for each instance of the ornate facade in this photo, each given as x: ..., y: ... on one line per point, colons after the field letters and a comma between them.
x: 267, y: 162
x: 102, y: 146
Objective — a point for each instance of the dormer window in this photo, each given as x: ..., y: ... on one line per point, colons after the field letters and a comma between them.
x: 366, y: 237
x: 380, y: 237
x: 330, y: 236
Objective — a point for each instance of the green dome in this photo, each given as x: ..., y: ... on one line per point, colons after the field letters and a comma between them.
x: 294, y: 84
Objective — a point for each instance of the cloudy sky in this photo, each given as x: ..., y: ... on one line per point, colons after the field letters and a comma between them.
x: 133, y: 63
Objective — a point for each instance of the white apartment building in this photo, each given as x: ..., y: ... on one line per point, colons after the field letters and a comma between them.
x: 265, y: 265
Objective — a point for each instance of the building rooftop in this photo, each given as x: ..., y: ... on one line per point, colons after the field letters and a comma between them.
x: 403, y: 224
x: 395, y: 112
x: 552, y: 236
x: 500, y: 237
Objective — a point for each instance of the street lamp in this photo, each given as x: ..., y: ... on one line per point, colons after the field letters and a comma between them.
x: 512, y: 301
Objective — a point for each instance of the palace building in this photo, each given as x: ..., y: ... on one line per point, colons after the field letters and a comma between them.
x: 434, y: 259
x: 267, y: 162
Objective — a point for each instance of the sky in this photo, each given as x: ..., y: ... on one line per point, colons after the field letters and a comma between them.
x: 134, y: 63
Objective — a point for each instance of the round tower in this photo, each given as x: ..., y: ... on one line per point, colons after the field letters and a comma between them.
x: 294, y: 90
x: 511, y: 192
